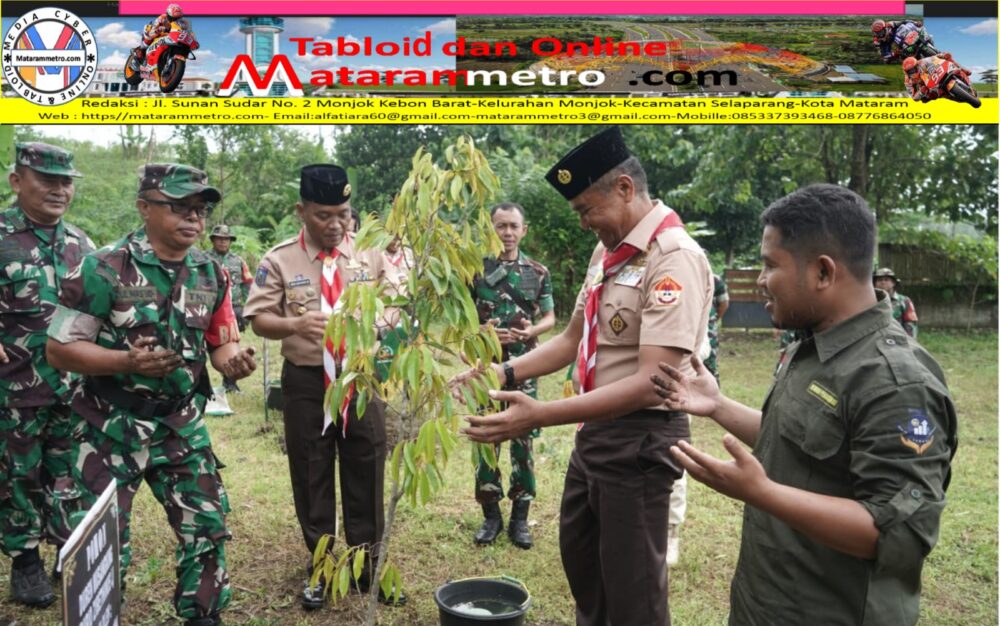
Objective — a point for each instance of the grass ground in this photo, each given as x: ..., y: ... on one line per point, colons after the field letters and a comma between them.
x: 433, y: 544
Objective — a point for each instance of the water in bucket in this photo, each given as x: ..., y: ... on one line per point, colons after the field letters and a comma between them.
x: 486, y: 607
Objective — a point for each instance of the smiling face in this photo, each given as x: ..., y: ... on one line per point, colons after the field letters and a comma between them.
x: 325, y: 224
x: 173, y: 225
x: 605, y: 211
x: 784, y: 282
x: 44, y: 198
x: 510, y: 227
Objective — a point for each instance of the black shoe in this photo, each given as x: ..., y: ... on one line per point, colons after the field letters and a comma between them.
x: 207, y: 620
x: 492, y: 525
x: 518, y: 531
x: 364, y: 586
x: 312, y: 597
x: 30, y: 586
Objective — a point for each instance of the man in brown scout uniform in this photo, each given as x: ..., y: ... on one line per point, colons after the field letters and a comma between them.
x: 139, y: 319
x: 646, y: 299
x: 37, y: 249
x: 289, y: 301
x: 852, y: 451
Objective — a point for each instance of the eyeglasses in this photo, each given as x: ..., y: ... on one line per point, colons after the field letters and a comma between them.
x: 183, y: 210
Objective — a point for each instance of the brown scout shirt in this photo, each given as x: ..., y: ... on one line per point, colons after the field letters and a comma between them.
x: 661, y: 298
x: 288, y: 283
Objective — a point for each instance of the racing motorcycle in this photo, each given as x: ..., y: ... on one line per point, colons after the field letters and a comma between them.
x: 909, y: 40
x: 943, y: 76
x: 165, y: 58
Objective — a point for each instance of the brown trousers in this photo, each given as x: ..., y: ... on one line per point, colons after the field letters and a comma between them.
x: 311, y: 458
x: 613, y: 521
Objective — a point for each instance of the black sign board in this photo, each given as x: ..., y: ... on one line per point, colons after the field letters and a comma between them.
x: 91, y: 585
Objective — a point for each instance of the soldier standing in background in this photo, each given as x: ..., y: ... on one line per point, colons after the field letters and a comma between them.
x: 902, y: 307
x: 513, y: 294
x: 139, y: 319
x: 37, y: 248
x: 240, y: 278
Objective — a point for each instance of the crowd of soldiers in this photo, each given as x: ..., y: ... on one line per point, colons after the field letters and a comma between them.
x: 104, y: 380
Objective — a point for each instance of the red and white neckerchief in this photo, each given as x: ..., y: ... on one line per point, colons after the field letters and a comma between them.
x: 395, y: 259
x: 331, y: 286
x: 611, y: 264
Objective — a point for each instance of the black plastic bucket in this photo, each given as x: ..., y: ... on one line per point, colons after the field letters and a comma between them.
x: 475, y: 601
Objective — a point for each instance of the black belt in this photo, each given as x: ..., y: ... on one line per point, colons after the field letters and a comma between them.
x: 106, y: 388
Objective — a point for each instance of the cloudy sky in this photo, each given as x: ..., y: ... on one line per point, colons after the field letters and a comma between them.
x: 972, y: 41
x: 221, y: 41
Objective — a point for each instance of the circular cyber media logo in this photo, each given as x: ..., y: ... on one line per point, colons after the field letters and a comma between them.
x: 49, y: 56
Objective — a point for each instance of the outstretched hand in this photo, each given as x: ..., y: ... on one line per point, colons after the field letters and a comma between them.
x: 698, y: 395
x: 743, y: 478
x: 516, y: 420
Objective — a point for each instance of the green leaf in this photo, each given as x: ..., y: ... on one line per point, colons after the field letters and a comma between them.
x: 344, y: 581
x: 359, y: 562
x: 397, y: 454
x: 385, y: 584
x: 409, y: 457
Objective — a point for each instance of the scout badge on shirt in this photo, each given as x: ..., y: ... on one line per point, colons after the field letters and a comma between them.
x: 667, y: 291
x: 261, y: 277
x: 917, y: 432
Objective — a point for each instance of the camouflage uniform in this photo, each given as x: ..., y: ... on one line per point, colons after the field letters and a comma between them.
x: 140, y: 428
x: 35, y: 425
x: 904, y: 313
x: 720, y: 295
x: 240, y: 277
x: 512, y: 291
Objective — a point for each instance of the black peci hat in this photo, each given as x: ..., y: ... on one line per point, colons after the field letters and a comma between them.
x: 324, y: 184
x: 585, y: 164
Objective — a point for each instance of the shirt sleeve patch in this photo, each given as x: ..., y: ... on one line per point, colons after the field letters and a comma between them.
x: 917, y: 433
x: 261, y: 279
x: 667, y: 291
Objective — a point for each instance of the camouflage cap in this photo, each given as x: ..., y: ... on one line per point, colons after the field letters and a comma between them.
x: 222, y: 232
x: 45, y: 158
x: 885, y: 272
x: 176, y: 181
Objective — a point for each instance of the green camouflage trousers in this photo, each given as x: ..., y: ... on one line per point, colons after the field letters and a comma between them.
x: 35, y: 465
x: 186, y: 482
x: 522, y: 465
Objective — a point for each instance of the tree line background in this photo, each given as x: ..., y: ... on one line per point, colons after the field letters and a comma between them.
x: 930, y: 186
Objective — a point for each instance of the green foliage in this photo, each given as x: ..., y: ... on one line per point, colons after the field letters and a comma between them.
x: 974, y: 258
x: 441, y: 213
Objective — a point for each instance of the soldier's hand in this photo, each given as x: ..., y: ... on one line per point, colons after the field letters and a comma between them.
x: 145, y: 359
x: 519, y: 418
x: 240, y: 365
x: 3, y: 356
x: 311, y: 325
x: 525, y: 333
x: 680, y: 392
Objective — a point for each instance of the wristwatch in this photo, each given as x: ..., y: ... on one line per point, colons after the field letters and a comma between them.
x: 508, y: 375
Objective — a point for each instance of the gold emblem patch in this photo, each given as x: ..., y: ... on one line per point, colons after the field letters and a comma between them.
x: 564, y: 176
x: 347, y: 189
x: 617, y: 324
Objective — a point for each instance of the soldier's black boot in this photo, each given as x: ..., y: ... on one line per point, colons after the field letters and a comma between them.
x: 492, y: 525
x: 518, y: 531
x: 29, y: 583
x: 207, y: 620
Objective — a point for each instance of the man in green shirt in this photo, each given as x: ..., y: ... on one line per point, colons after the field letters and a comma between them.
x: 240, y: 279
x: 852, y: 451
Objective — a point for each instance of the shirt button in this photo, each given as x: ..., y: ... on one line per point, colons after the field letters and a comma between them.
x: 890, y: 342
x: 915, y: 493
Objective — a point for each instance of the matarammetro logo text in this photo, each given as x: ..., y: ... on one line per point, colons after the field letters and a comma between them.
x: 49, y: 56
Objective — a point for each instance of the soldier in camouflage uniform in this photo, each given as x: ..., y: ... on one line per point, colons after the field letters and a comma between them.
x: 720, y: 303
x: 139, y: 319
x: 240, y: 278
x: 37, y: 248
x: 902, y: 307
x: 513, y: 292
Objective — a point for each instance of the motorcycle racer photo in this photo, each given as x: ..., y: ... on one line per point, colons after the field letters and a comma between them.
x: 938, y: 76
x: 898, y: 39
x: 160, y: 25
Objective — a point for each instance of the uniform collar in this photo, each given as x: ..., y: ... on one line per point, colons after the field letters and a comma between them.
x: 521, y: 259
x: 832, y: 340
x: 345, y: 248
x: 640, y: 234
x: 44, y: 234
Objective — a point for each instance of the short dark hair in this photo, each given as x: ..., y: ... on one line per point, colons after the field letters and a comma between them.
x: 826, y: 219
x: 507, y: 206
x: 632, y: 168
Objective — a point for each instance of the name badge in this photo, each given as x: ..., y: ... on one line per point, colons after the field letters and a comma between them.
x: 630, y: 276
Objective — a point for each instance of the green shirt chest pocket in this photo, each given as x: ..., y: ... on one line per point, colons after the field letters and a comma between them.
x: 135, y: 313
x: 21, y: 293
x: 198, y: 305
x: 814, y: 434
